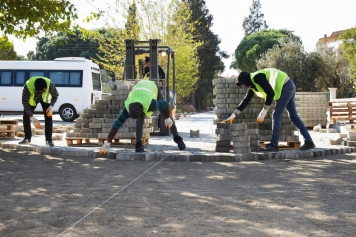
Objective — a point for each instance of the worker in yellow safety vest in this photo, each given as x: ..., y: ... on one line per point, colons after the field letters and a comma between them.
x: 272, y: 84
x: 38, y: 90
x: 143, y: 100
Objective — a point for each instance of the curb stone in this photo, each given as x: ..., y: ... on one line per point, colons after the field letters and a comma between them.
x: 123, y: 154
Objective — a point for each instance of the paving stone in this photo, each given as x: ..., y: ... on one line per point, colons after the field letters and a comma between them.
x: 182, y: 157
x: 223, y: 125
x: 138, y: 156
x: 211, y: 158
x: 242, y: 150
x: 227, y: 157
x: 249, y: 157
x: 123, y: 156
x: 151, y: 156
x: 238, y: 157
x: 222, y: 149
x: 22, y: 147
x: 43, y: 150
x: 241, y: 144
x: 197, y: 157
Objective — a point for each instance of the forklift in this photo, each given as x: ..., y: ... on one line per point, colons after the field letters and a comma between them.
x: 133, y: 72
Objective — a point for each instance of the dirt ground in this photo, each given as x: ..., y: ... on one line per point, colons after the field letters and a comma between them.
x: 43, y: 195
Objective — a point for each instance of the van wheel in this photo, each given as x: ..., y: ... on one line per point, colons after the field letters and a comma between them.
x: 68, y: 113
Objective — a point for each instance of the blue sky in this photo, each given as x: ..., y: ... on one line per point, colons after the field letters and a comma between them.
x: 309, y: 19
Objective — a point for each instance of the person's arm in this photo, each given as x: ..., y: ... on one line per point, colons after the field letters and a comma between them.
x: 261, y: 79
x: 25, y: 101
x: 246, y: 100
x: 54, y: 93
x: 117, y: 124
x: 163, y: 106
x: 161, y: 73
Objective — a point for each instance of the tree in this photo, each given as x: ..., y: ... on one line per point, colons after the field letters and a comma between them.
x: 27, y: 18
x: 68, y: 44
x: 348, y: 48
x: 334, y: 71
x: 315, y: 71
x: 209, y: 54
x: 132, y: 27
x: 156, y: 19
x: 7, y: 51
x: 254, y: 22
x: 251, y: 48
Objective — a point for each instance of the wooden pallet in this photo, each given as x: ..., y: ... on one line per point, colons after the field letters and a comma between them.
x: 292, y: 145
x: 81, y: 141
x: 7, y: 128
x: 342, y: 110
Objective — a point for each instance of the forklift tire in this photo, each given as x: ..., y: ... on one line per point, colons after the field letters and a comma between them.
x: 163, y: 130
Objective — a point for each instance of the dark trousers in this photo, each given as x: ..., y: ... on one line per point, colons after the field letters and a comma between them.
x: 48, y: 122
x: 139, y: 128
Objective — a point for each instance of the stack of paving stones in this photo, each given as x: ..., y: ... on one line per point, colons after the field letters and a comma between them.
x: 351, y: 140
x: 240, y: 138
x: 312, y: 108
x: 223, y: 137
x: 254, y: 135
x: 227, y: 98
x: 97, y: 121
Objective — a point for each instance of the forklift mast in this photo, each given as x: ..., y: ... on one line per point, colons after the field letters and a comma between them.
x: 152, y: 48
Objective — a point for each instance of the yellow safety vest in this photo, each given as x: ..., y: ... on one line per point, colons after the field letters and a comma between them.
x: 143, y: 92
x: 276, y: 79
x: 46, y: 96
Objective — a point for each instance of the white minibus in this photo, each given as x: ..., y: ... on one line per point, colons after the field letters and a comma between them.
x: 77, y: 80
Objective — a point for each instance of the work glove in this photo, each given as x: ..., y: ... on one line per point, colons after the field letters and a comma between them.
x: 168, y: 122
x: 105, y: 148
x: 49, y: 111
x: 232, y: 117
x: 35, y: 122
x: 262, y: 115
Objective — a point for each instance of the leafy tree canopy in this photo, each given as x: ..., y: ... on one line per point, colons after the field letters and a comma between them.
x: 315, y: 71
x: 26, y: 18
x: 253, y: 46
x: 348, y: 48
x: 7, y: 51
x: 69, y: 44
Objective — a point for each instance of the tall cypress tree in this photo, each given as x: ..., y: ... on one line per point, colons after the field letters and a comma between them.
x: 254, y: 22
x: 209, y: 53
x: 132, y: 27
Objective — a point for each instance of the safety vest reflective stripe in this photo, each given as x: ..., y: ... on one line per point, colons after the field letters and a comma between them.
x: 143, y: 89
x: 273, y: 77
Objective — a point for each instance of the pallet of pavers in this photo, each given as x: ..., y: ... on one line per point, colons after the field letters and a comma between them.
x: 94, y: 124
x: 81, y: 141
x: 7, y: 127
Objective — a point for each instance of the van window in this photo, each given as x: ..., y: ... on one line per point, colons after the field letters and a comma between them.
x: 5, y: 78
x: 66, y: 78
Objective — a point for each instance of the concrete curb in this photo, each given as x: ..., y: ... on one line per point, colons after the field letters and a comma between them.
x: 185, y: 156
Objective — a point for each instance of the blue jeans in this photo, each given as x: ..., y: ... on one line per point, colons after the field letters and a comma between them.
x: 286, y: 101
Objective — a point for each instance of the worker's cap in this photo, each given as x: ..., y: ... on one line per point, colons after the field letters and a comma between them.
x: 243, y: 78
x: 147, y: 59
x: 40, y: 84
x: 135, y: 110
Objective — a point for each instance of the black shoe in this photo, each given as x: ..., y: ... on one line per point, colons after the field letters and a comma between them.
x: 307, y: 146
x: 49, y: 143
x: 139, y: 147
x: 180, y: 142
x: 25, y: 141
x: 269, y: 147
